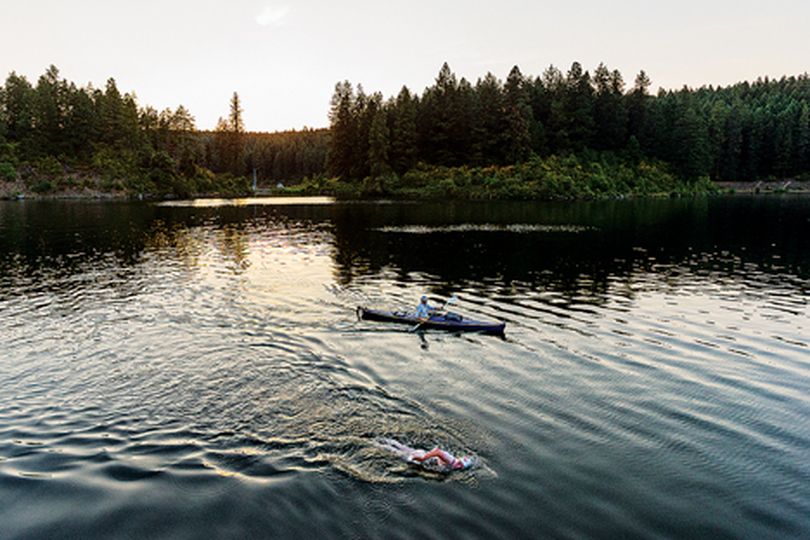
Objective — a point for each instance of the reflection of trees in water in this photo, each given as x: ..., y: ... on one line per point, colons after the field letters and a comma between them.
x: 174, y: 240
x: 43, y: 242
x: 232, y: 241
x: 633, y: 245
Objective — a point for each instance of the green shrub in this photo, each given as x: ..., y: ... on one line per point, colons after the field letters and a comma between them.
x: 43, y: 186
x: 7, y: 171
x: 50, y: 167
x: 563, y: 177
x: 111, y: 164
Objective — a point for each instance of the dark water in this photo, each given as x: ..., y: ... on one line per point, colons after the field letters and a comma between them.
x: 198, y: 372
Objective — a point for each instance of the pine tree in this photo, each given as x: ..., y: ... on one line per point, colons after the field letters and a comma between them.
x: 610, y: 113
x: 540, y: 102
x: 343, y: 130
x: 378, y: 144
x: 235, y: 116
x: 490, y: 128
x: 50, y: 107
x: 438, y: 109
x: 803, y: 140
x: 18, y: 108
x: 578, y: 103
x: 220, y: 159
x: 557, y: 122
x: 689, y: 151
x: 403, y: 153
x: 236, y: 139
x: 464, y: 123
x: 365, y: 107
x: 637, y: 104
x: 81, y: 125
x: 731, y: 152
x: 518, y: 118
x: 111, y: 114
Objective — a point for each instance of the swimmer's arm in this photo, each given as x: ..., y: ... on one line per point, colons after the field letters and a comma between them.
x: 437, y: 453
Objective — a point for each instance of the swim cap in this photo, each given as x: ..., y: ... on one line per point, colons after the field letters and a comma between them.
x: 467, y: 462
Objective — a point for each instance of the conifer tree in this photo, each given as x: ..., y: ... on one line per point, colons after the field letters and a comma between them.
x: 518, y: 117
x: 343, y: 130
x: 578, y: 105
x: 81, y: 124
x: 689, y: 151
x: 18, y: 108
x: 403, y: 132
x: 637, y: 104
x: 378, y: 144
x: 490, y: 128
x: 803, y: 140
x: 438, y: 108
x: 50, y: 107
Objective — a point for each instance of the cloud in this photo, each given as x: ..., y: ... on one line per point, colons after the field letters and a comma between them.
x: 273, y: 16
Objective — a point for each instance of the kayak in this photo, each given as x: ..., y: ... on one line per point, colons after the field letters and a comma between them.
x: 447, y: 321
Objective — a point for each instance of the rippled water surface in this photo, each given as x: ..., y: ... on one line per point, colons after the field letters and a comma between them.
x: 198, y: 370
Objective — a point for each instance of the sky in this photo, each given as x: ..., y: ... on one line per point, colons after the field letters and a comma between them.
x: 284, y: 57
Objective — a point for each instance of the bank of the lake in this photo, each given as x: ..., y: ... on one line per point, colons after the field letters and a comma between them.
x: 539, y: 179
x: 568, y: 177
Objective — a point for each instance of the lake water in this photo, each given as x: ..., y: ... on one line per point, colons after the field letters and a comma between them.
x: 197, y: 370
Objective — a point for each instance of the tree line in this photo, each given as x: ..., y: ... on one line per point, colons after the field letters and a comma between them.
x: 747, y: 131
x: 56, y: 124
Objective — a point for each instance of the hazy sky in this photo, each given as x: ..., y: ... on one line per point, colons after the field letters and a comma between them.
x: 284, y: 57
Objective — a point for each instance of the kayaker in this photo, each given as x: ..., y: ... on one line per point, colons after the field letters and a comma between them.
x: 435, y: 460
x: 424, y: 310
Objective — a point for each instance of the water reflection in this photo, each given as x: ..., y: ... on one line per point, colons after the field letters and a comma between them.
x: 579, y: 250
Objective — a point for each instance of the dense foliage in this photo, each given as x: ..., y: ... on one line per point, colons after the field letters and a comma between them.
x: 743, y: 132
x: 57, y: 136
x: 589, y: 175
x: 558, y: 135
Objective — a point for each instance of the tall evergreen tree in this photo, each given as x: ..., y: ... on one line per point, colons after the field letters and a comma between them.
x: 637, y: 104
x: 19, y: 108
x: 438, y: 107
x: 403, y: 153
x: 464, y: 123
x: 540, y: 100
x: 689, y: 151
x: 343, y: 127
x: 236, y: 138
x: 730, y: 155
x: 378, y: 144
x: 518, y: 117
x: 490, y: 128
x: 50, y: 97
x: 610, y: 113
x: 578, y: 103
x: 81, y: 124
x: 803, y: 139
x: 235, y: 121
x: 557, y: 121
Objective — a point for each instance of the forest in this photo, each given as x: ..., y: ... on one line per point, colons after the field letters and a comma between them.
x: 58, y: 137
x: 556, y: 135
x: 748, y: 131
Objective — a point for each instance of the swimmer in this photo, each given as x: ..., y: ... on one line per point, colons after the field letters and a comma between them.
x: 435, y: 460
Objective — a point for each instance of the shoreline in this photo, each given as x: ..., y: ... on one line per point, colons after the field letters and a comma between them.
x: 780, y: 187
x: 762, y: 187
